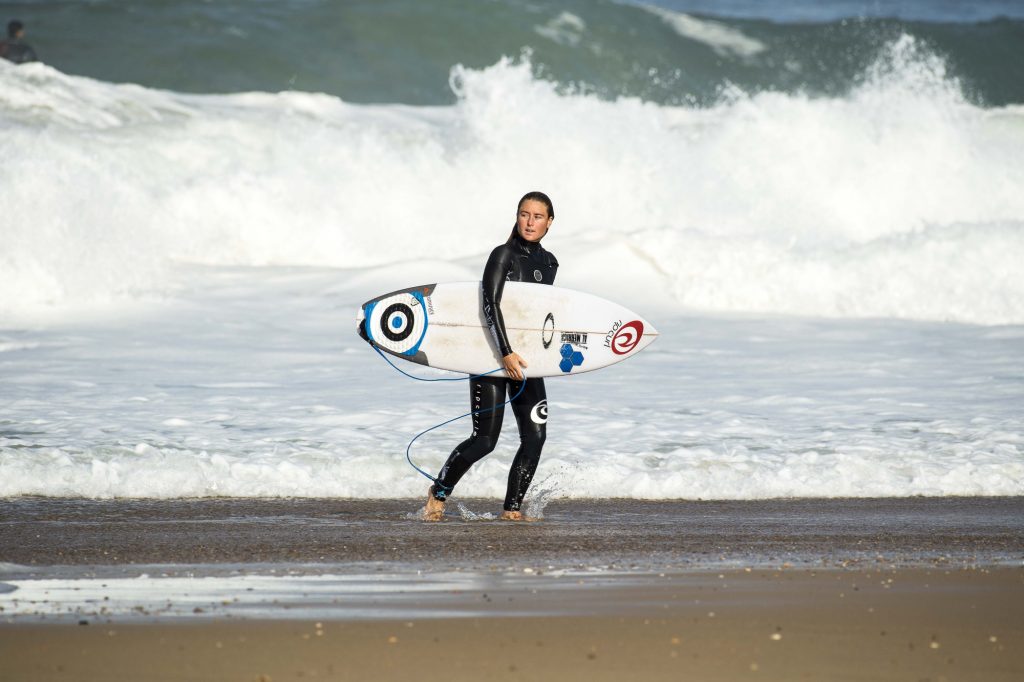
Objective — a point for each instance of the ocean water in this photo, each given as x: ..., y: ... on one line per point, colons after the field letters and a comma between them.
x: 819, y: 209
x: 402, y: 51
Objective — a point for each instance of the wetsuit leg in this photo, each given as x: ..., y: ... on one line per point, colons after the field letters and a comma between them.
x: 531, y: 411
x: 484, y: 394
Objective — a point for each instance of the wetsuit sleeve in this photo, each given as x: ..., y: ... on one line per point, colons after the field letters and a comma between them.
x: 493, y: 284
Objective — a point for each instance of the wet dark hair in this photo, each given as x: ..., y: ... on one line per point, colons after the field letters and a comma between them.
x: 13, y: 27
x: 532, y: 196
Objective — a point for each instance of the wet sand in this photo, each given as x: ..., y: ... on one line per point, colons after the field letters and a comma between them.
x: 907, y: 589
x: 628, y: 534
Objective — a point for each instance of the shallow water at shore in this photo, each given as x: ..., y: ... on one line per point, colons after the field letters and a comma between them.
x: 252, y: 383
x: 51, y: 537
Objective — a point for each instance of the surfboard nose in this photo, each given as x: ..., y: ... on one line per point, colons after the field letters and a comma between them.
x: 650, y: 334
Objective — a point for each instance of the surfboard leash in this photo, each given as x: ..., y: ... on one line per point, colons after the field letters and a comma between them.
x: 408, y: 448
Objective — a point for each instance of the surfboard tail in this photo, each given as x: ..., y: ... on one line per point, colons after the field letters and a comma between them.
x: 397, y: 322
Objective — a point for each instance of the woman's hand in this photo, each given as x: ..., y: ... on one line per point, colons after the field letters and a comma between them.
x: 512, y: 363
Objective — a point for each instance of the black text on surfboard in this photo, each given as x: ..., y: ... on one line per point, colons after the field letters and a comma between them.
x: 611, y: 334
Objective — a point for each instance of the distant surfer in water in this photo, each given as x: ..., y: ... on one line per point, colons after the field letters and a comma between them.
x: 14, y: 49
x: 520, y: 259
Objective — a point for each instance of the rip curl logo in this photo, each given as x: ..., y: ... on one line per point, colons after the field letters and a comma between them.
x: 626, y: 337
x: 539, y: 413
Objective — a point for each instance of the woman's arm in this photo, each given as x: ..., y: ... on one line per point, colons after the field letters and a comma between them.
x: 493, y: 284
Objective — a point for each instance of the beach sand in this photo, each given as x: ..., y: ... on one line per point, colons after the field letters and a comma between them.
x: 798, y: 624
x: 912, y: 589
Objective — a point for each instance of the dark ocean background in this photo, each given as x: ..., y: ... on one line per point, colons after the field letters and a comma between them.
x: 402, y: 51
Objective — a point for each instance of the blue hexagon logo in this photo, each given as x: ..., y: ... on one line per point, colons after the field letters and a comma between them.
x: 570, y: 358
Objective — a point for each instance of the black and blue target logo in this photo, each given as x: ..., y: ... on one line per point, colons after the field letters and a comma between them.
x: 397, y: 321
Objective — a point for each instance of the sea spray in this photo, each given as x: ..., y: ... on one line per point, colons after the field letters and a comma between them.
x: 863, y: 205
x: 467, y: 514
x: 542, y: 493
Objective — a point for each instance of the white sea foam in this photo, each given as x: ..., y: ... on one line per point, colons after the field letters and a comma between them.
x: 899, y: 199
x: 724, y: 40
x: 254, y: 384
x: 296, y: 592
x: 565, y: 29
x: 149, y: 597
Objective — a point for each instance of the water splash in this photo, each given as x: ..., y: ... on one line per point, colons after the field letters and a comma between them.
x: 468, y: 514
x: 541, y: 494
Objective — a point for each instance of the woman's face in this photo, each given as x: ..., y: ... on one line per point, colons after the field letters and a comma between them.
x: 533, y: 220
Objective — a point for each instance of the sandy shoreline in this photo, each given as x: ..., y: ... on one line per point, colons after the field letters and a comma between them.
x: 760, y: 625
x: 226, y: 589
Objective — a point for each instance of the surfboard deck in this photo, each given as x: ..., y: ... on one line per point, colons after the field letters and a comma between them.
x: 558, y: 331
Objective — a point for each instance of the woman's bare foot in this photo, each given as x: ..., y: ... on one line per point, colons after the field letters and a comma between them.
x: 517, y: 516
x: 435, y: 508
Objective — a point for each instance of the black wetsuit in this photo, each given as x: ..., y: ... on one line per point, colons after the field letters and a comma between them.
x: 13, y: 50
x: 516, y: 261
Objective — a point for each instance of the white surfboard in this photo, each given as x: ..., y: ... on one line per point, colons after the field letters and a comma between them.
x: 557, y: 331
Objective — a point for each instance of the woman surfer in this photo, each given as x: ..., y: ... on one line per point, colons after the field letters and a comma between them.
x: 520, y: 259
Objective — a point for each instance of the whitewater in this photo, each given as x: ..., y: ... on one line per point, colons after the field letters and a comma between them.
x: 836, y: 279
